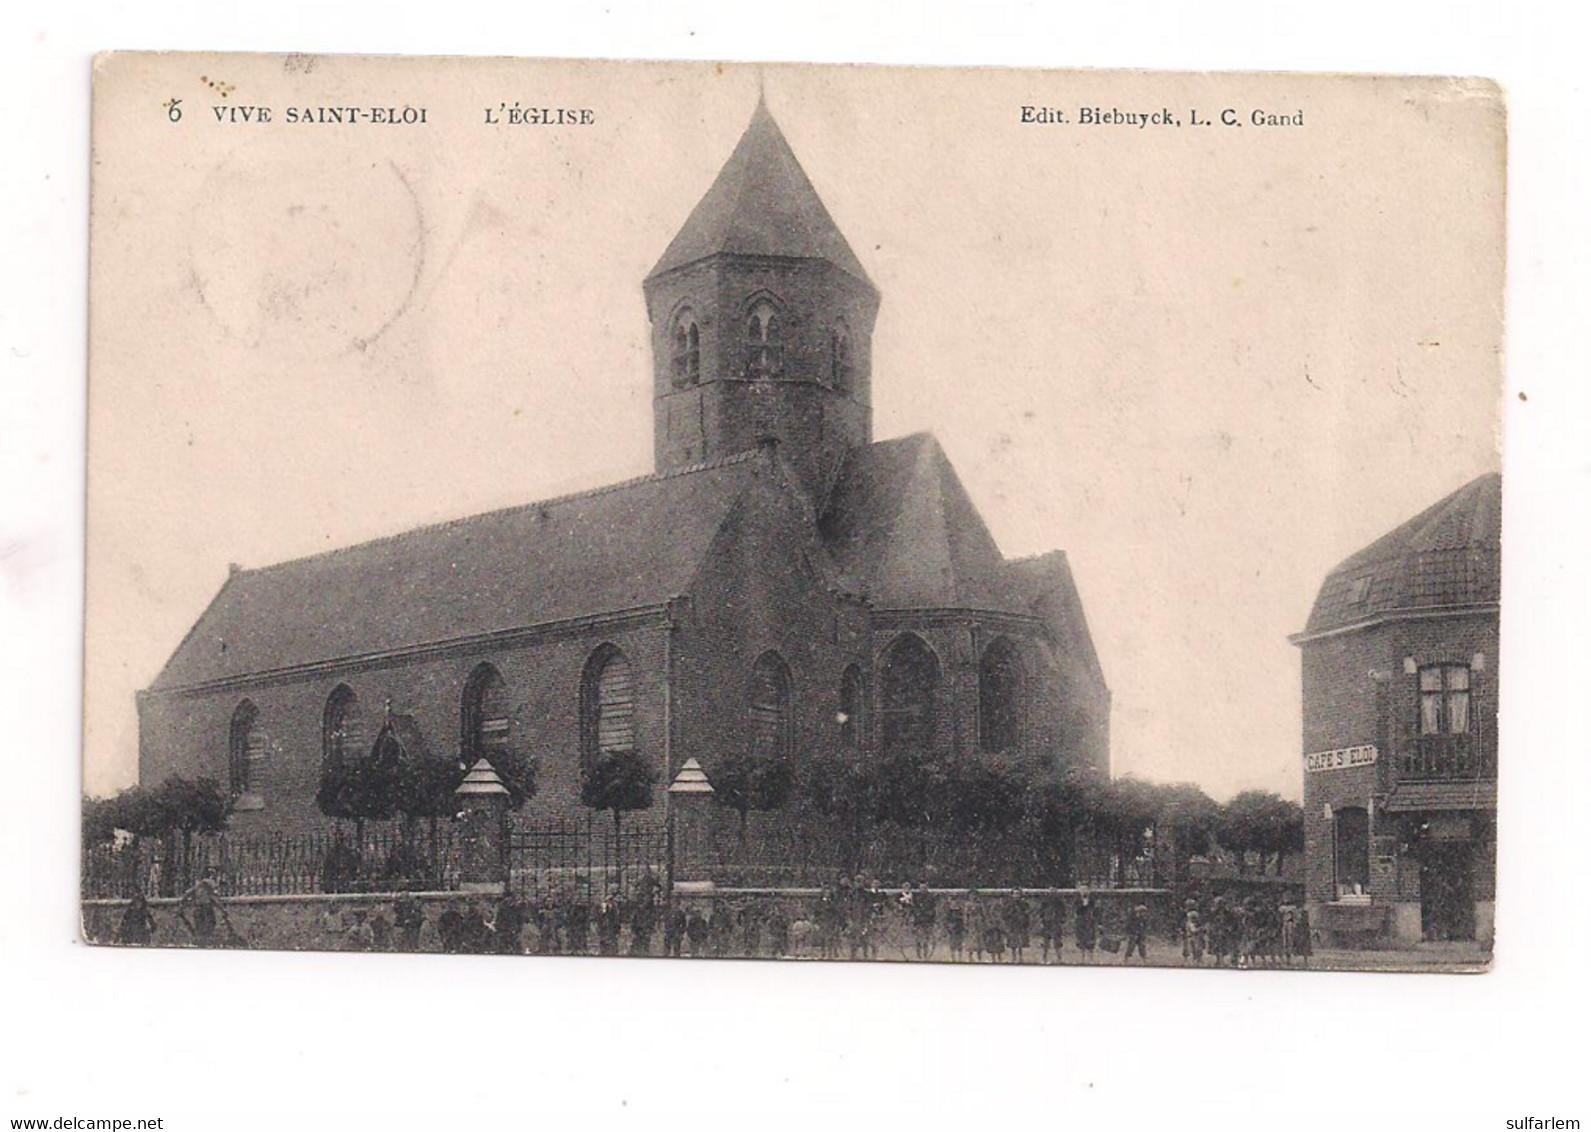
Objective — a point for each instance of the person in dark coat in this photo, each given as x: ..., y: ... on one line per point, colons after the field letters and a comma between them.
x: 1137, y: 933
x: 610, y: 919
x: 577, y: 926
x: 510, y: 925
x: 203, y: 901
x: 955, y: 930
x: 409, y: 918
x: 643, y: 919
x: 1018, y: 926
x: 450, y: 929
x: 696, y: 930
x: 380, y: 931
x: 750, y: 932
x: 1218, y: 930
x: 721, y: 930
x: 1085, y: 925
x: 1052, y: 927
x: 674, y: 923
x: 778, y: 931
x: 138, y: 923
x: 1303, y: 941
x: 924, y: 915
x: 475, y: 934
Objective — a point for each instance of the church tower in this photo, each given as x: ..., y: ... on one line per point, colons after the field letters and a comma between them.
x: 762, y: 321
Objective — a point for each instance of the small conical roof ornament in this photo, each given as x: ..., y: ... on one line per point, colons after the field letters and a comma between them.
x: 691, y: 779
x: 482, y: 779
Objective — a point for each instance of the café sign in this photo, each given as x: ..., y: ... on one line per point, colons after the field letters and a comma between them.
x: 1340, y: 759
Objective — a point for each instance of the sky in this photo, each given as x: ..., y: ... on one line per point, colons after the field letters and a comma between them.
x: 1207, y: 363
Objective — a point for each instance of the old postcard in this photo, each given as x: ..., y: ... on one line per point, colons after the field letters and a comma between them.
x: 973, y: 516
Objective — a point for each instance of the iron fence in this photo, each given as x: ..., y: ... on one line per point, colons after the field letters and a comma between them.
x: 386, y: 858
x: 585, y: 858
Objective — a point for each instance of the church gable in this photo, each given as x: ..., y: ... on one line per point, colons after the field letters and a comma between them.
x: 902, y: 527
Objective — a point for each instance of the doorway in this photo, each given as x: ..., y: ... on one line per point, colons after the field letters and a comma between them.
x: 1447, y: 890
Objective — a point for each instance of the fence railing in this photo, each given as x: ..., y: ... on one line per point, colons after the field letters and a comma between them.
x: 586, y: 857
x: 388, y: 858
x: 591, y: 857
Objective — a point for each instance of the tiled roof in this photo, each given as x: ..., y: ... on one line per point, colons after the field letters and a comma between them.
x: 1048, y: 589
x: 1415, y: 797
x: 901, y: 528
x: 761, y: 204
x: 633, y: 544
x: 1447, y: 555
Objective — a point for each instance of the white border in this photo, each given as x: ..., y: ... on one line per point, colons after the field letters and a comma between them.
x: 234, y: 1041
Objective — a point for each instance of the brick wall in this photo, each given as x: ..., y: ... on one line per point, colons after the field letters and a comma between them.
x: 723, y: 413
x: 190, y: 733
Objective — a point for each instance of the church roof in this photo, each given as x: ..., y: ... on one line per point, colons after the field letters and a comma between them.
x: 761, y: 204
x: 633, y: 544
x: 1448, y: 555
x: 1047, y: 587
x: 900, y: 525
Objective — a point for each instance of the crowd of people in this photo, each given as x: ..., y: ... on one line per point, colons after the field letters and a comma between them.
x: 1245, y: 932
x: 849, y: 919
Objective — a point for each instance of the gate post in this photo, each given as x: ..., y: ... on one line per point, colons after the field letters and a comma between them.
x: 689, y: 795
x: 483, y: 806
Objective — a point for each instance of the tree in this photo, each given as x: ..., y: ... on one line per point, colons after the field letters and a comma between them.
x: 1187, y: 818
x: 845, y: 789
x: 979, y: 795
x: 190, y: 806
x: 1122, y: 811
x: 620, y: 781
x: 752, y: 780
x: 1263, y: 822
x: 361, y: 790
x: 1053, y: 808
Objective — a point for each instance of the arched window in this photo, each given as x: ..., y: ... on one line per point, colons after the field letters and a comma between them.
x: 343, y: 728
x: 853, y: 694
x: 1352, y: 850
x: 485, y: 714
x: 909, y: 682
x: 764, y: 341
x: 1000, y: 696
x: 768, y: 706
x: 842, y: 368
x: 685, y: 344
x: 607, y: 705
x: 247, y: 752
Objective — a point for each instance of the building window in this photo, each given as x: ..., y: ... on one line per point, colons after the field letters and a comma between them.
x: 1351, y: 831
x: 999, y: 696
x: 768, y: 714
x: 485, y: 714
x: 248, y: 751
x: 343, y: 729
x: 842, y: 369
x: 685, y: 341
x: 1359, y: 590
x: 607, y: 705
x: 764, y: 341
x: 1444, y: 699
x: 853, y: 694
x: 910, y: 681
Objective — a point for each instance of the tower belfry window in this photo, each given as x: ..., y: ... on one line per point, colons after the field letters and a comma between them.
x: 686, y: 350
x: 764, y: 345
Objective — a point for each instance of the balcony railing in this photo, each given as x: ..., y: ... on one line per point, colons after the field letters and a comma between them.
x: 1447, y: 757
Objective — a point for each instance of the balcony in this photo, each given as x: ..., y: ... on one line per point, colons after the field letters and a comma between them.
x: 1447, y: 757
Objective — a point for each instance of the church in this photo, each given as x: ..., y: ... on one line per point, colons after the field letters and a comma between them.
x: 783, y: 581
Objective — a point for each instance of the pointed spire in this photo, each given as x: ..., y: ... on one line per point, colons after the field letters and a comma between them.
x: 761, y: 204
